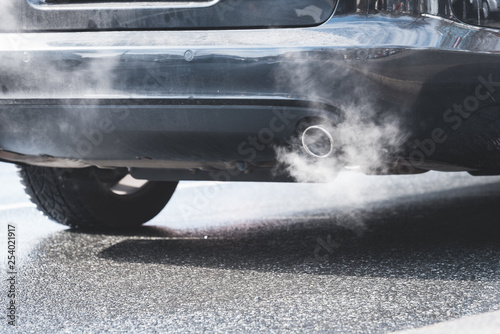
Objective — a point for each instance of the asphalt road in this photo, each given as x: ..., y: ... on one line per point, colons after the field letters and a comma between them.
x: 365, y: 254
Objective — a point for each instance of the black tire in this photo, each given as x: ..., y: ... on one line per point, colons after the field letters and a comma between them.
x: 82, y: 198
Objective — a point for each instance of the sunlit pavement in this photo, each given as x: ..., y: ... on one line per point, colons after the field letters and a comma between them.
x: 363, y: 254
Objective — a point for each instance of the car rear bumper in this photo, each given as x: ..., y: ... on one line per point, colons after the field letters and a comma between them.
x: 214, y: 99
x: 159, y: 133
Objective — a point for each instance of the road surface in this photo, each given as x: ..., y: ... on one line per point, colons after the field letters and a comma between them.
x: 365, y: 254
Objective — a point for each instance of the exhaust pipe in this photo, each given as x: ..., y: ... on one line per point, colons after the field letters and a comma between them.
x: 317, y: 141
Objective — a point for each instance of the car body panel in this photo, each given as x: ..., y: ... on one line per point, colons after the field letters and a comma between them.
x: 68, y: 15
x: 209, y: 100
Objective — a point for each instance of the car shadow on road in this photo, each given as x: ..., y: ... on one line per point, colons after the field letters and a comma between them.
x: 443, y: 235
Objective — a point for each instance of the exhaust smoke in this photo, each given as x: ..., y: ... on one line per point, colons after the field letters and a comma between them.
x: 360, y: 142
x: 360, y: 130
x: 7, y: 17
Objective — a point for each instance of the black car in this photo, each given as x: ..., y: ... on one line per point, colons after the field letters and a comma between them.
x: 106, y: 105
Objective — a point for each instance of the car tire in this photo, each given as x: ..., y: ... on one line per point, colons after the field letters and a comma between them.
x: 84, y: 197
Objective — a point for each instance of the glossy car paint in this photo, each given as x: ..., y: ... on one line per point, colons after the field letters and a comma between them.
x: 71, y: 15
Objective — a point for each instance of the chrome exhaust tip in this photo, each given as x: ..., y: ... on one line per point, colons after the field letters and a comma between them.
x: 317, y: 141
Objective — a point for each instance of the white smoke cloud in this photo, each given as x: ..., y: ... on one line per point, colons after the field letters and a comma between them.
x: 365, y: 138
x: 364, y: 144
x: 65, y: 74
x: 7, y: 15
